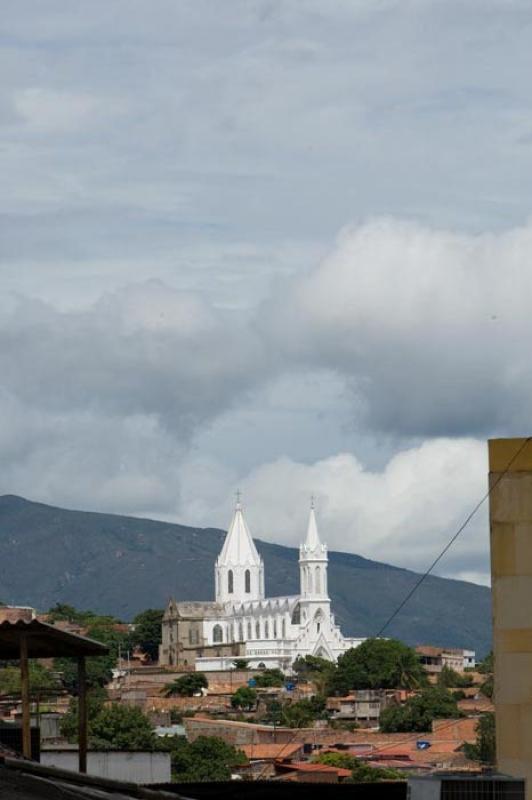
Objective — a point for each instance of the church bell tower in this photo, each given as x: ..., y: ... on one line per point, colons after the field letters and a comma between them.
x: 313, y: 563
x: 239, y: 570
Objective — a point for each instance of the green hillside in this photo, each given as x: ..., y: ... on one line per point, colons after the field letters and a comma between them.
x: 122, y: 565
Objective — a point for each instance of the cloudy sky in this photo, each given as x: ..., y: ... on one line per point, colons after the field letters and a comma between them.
x: 283, y: 246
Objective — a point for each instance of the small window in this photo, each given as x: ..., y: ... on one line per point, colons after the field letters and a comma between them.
x: 241, y: 632
x: 266, y: 630
x: 230, y: 582
x: 257, y: 630
x: 283, y: 628
x: 247, y: 581
x: 296, y: 615
x: 217, y: 634
x: 249, y: 630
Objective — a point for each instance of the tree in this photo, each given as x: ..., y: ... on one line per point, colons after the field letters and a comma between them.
x: 269, y: 678
x: 114, y: 727
x: 96, y: 698
x: 240, y: 663
x: 206, y: 759
x: 306, y: 666
x: 484, y: 748
x: 377, y: 664
x: 487, y: 687
x: 99, y: 669
x: 486, y: 666
x: 187, y: 685
x: 147, y: 633
x: 451, y: 679
x: 418, y: 712
x: 244, y: 698
x: 302, y: 713
x: 360, y: 771
x: 122, y: 727
x: 41, y: 680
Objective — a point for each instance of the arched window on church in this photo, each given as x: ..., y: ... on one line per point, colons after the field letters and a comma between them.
x: 249, y: 630
x: 283, y: 628
x: 296, y: 615
x: 266, y: 630
x: 318, y: 619
x: 240, y: 632
x: 275, y: 628
x: 230, y: 582
x: 309, y: 580
x: 317, y: 586
x: 247, y: 581
x: 257, y: 630
x: 217, y: 634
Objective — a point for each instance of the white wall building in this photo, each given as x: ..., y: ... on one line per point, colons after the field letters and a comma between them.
x: 268, y: 631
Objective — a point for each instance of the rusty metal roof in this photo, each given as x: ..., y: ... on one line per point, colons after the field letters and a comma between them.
x: 45, y: 641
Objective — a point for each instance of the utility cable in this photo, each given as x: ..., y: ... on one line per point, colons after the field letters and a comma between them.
x: 454, y: 538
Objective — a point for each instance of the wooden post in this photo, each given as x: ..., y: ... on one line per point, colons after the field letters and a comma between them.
x: 25, y: 697
x: 82, y: 714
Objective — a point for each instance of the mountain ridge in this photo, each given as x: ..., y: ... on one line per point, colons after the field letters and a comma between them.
x: 120, y: 564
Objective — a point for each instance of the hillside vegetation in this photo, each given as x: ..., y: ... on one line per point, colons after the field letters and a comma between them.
x: 122, y: 565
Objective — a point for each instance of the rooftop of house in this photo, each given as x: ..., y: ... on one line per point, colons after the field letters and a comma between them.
x: 267, y: 752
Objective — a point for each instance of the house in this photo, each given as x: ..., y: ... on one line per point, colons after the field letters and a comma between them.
x: 434, y: 659
x: 362, y: 706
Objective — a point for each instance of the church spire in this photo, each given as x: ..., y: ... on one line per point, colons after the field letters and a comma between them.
x: 239, y: 547
x: 239, y: 570
x: 312, y: 542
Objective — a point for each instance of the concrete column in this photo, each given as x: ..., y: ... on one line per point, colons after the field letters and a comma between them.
x: 511, y: 571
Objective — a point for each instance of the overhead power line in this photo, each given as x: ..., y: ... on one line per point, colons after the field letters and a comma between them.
x: 453, y: 539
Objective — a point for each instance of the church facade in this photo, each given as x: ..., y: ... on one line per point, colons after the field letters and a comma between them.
x: 243, y: 623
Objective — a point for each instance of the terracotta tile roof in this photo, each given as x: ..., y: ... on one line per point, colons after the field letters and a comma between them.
x: 270, y: 751
x: 311, y: 766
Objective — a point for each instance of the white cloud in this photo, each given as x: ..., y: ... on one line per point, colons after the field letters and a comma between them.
x: 403, y: 514
x: 431, y: 327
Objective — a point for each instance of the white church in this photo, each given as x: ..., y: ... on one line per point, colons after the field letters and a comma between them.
x: 243, y: 623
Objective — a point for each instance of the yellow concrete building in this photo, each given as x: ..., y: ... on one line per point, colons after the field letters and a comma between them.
x: 510, y: 464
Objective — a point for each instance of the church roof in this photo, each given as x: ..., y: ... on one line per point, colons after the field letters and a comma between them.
x: 313, y: 543
x: 239, y: 547
x: 193, y: 609
x: 313, y: 538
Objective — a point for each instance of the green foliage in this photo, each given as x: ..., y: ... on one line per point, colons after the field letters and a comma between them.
x: 451, y: 679
x: 114, y: 727
x: 122, y: 727
x: 101, y: 628
x: 377, y: 664
x: 269, y: 678
x: 187, y: 685
x: 360, y: 771
x: 486, y: 666
x: 148, y: 632
x: 484, y: 748
x: 419, y: 711
x: 240, y: 663
x: 307, y: 666
x: 487, y: 687
x: 244, y: 698
x: 41, y: 680
x: 96, y: 698
x: 206, y: 759
x: 302, y: 713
